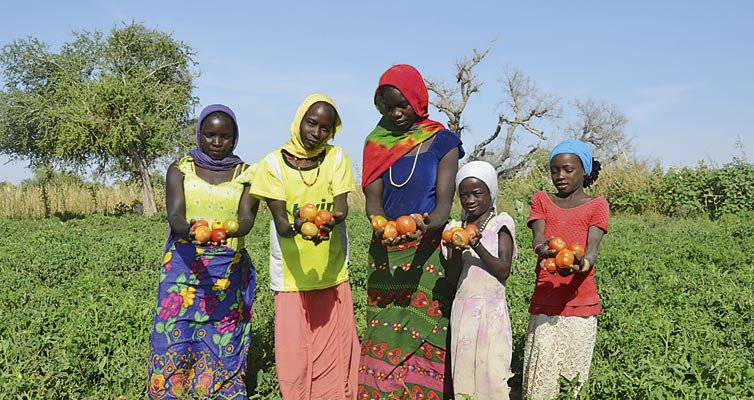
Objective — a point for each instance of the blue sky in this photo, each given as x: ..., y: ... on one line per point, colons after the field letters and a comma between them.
x: 681, y: 71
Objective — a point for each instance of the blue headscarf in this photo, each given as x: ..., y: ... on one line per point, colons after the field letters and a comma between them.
x: 577, y: 147
x: 201, y: 158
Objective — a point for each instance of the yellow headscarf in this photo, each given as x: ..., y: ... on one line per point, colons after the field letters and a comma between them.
x: 294, y: 145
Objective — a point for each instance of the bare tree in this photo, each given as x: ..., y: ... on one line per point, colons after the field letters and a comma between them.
x: 602, y: 125
x: 523, y: 106
x: 447, y: 97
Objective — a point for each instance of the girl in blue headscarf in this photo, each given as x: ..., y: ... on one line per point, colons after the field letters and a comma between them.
x: 202, y: 324
x: 564, y: 307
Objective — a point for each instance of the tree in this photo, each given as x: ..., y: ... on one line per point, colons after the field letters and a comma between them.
x: 601, y: 124
x: 523, y: 105
x: 117, y: 104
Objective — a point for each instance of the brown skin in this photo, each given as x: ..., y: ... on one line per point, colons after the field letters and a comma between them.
x: 316, y: 127
x: 217, y: 135
x: 476, y: 200
x: 396, y: 108
x: 567, y: 175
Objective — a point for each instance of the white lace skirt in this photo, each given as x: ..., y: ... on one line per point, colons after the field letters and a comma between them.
x: 556, y: 345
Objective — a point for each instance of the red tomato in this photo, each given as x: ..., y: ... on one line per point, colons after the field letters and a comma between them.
x: 550, y: 265
x: 459, y: 238
x: 472, y: 230
x: 564, y: 259
x: 308, y: 211
x: 405, y: 224
x: 578, y: 249
x: 322, y: 217
x: 448, y: 234
x: 390, y: 232
x: 557, y: 244
x: 198, y: 223
x: 218, y: 235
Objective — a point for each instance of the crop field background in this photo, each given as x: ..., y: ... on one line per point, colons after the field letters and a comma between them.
x: 77, y: 299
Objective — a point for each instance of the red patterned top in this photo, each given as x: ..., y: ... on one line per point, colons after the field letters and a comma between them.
x: 576, y: 294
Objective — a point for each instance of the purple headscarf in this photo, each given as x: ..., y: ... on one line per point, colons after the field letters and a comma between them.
x: 201, y: 158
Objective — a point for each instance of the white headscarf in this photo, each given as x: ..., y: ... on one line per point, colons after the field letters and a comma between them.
x: 483, y: 171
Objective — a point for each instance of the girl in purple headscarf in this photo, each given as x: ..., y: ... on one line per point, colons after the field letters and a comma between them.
x: 202, y: 324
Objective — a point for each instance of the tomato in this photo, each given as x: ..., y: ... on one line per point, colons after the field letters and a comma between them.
x: 405, y: 224
x: 448, y: 234
x: 218, y: 235
x: 308, y: 211
x: 578, y: 249
x: 418, y: 216
x: 459, y: 238
x: 217, y: 224
x: 557, y: 244
x: 230, y: 225
x: 472, y: 230
x: 198, y: 223
x: 202, y: 233
x: 550, y: 265
x: 390, y: 232
x: 322, y: 216
x: 309, y: 229
x: 564, y: 259
x: 378, y: 222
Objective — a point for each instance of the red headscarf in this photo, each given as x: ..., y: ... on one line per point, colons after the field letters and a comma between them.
x: 385, y: 144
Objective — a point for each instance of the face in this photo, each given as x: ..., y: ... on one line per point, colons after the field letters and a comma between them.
x: 317, y: 125
x: 475, y: 196
x: 567, y: 173
x: 217, y: 135
x: 394, y: 106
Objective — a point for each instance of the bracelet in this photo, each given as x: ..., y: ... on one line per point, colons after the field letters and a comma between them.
x: 537, y: 247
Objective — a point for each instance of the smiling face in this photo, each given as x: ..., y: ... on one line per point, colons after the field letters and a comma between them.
x: 475, y: 196
x: 217, y: 134
x: 395, y: 107
x: 567, y: 173
x: 317, y: 125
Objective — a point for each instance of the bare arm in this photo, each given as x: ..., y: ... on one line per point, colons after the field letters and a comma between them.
x: 445, y: 189
x: 540, y: 241
x: 373, y: 194
x: 339, y: 213
x: 593, y: 240
x: 280, y: 218
x: 247, y: 213
x: 175, y: 201
x: 498, y: 265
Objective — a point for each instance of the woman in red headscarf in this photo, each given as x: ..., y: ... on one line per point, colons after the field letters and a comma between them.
x: 409, y: 167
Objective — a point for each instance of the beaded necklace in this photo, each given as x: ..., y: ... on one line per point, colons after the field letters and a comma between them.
x: 301, y: 174
x: 483, y: 224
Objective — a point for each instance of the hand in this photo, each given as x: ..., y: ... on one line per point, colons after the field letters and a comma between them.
x: 581, y: 264
x: 565, y: 271
x: 421, y: 223
x: 327, y: 227
x: 543, y: 250
x: 474, y: 242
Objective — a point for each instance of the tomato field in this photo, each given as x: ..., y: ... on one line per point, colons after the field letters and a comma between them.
x: 77, y: 299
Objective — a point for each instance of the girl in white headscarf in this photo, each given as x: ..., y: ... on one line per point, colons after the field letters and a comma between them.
x: 481, y: 343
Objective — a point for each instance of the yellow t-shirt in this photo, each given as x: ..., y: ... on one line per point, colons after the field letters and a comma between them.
x: 214, y: 202
x: 297, y: 264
